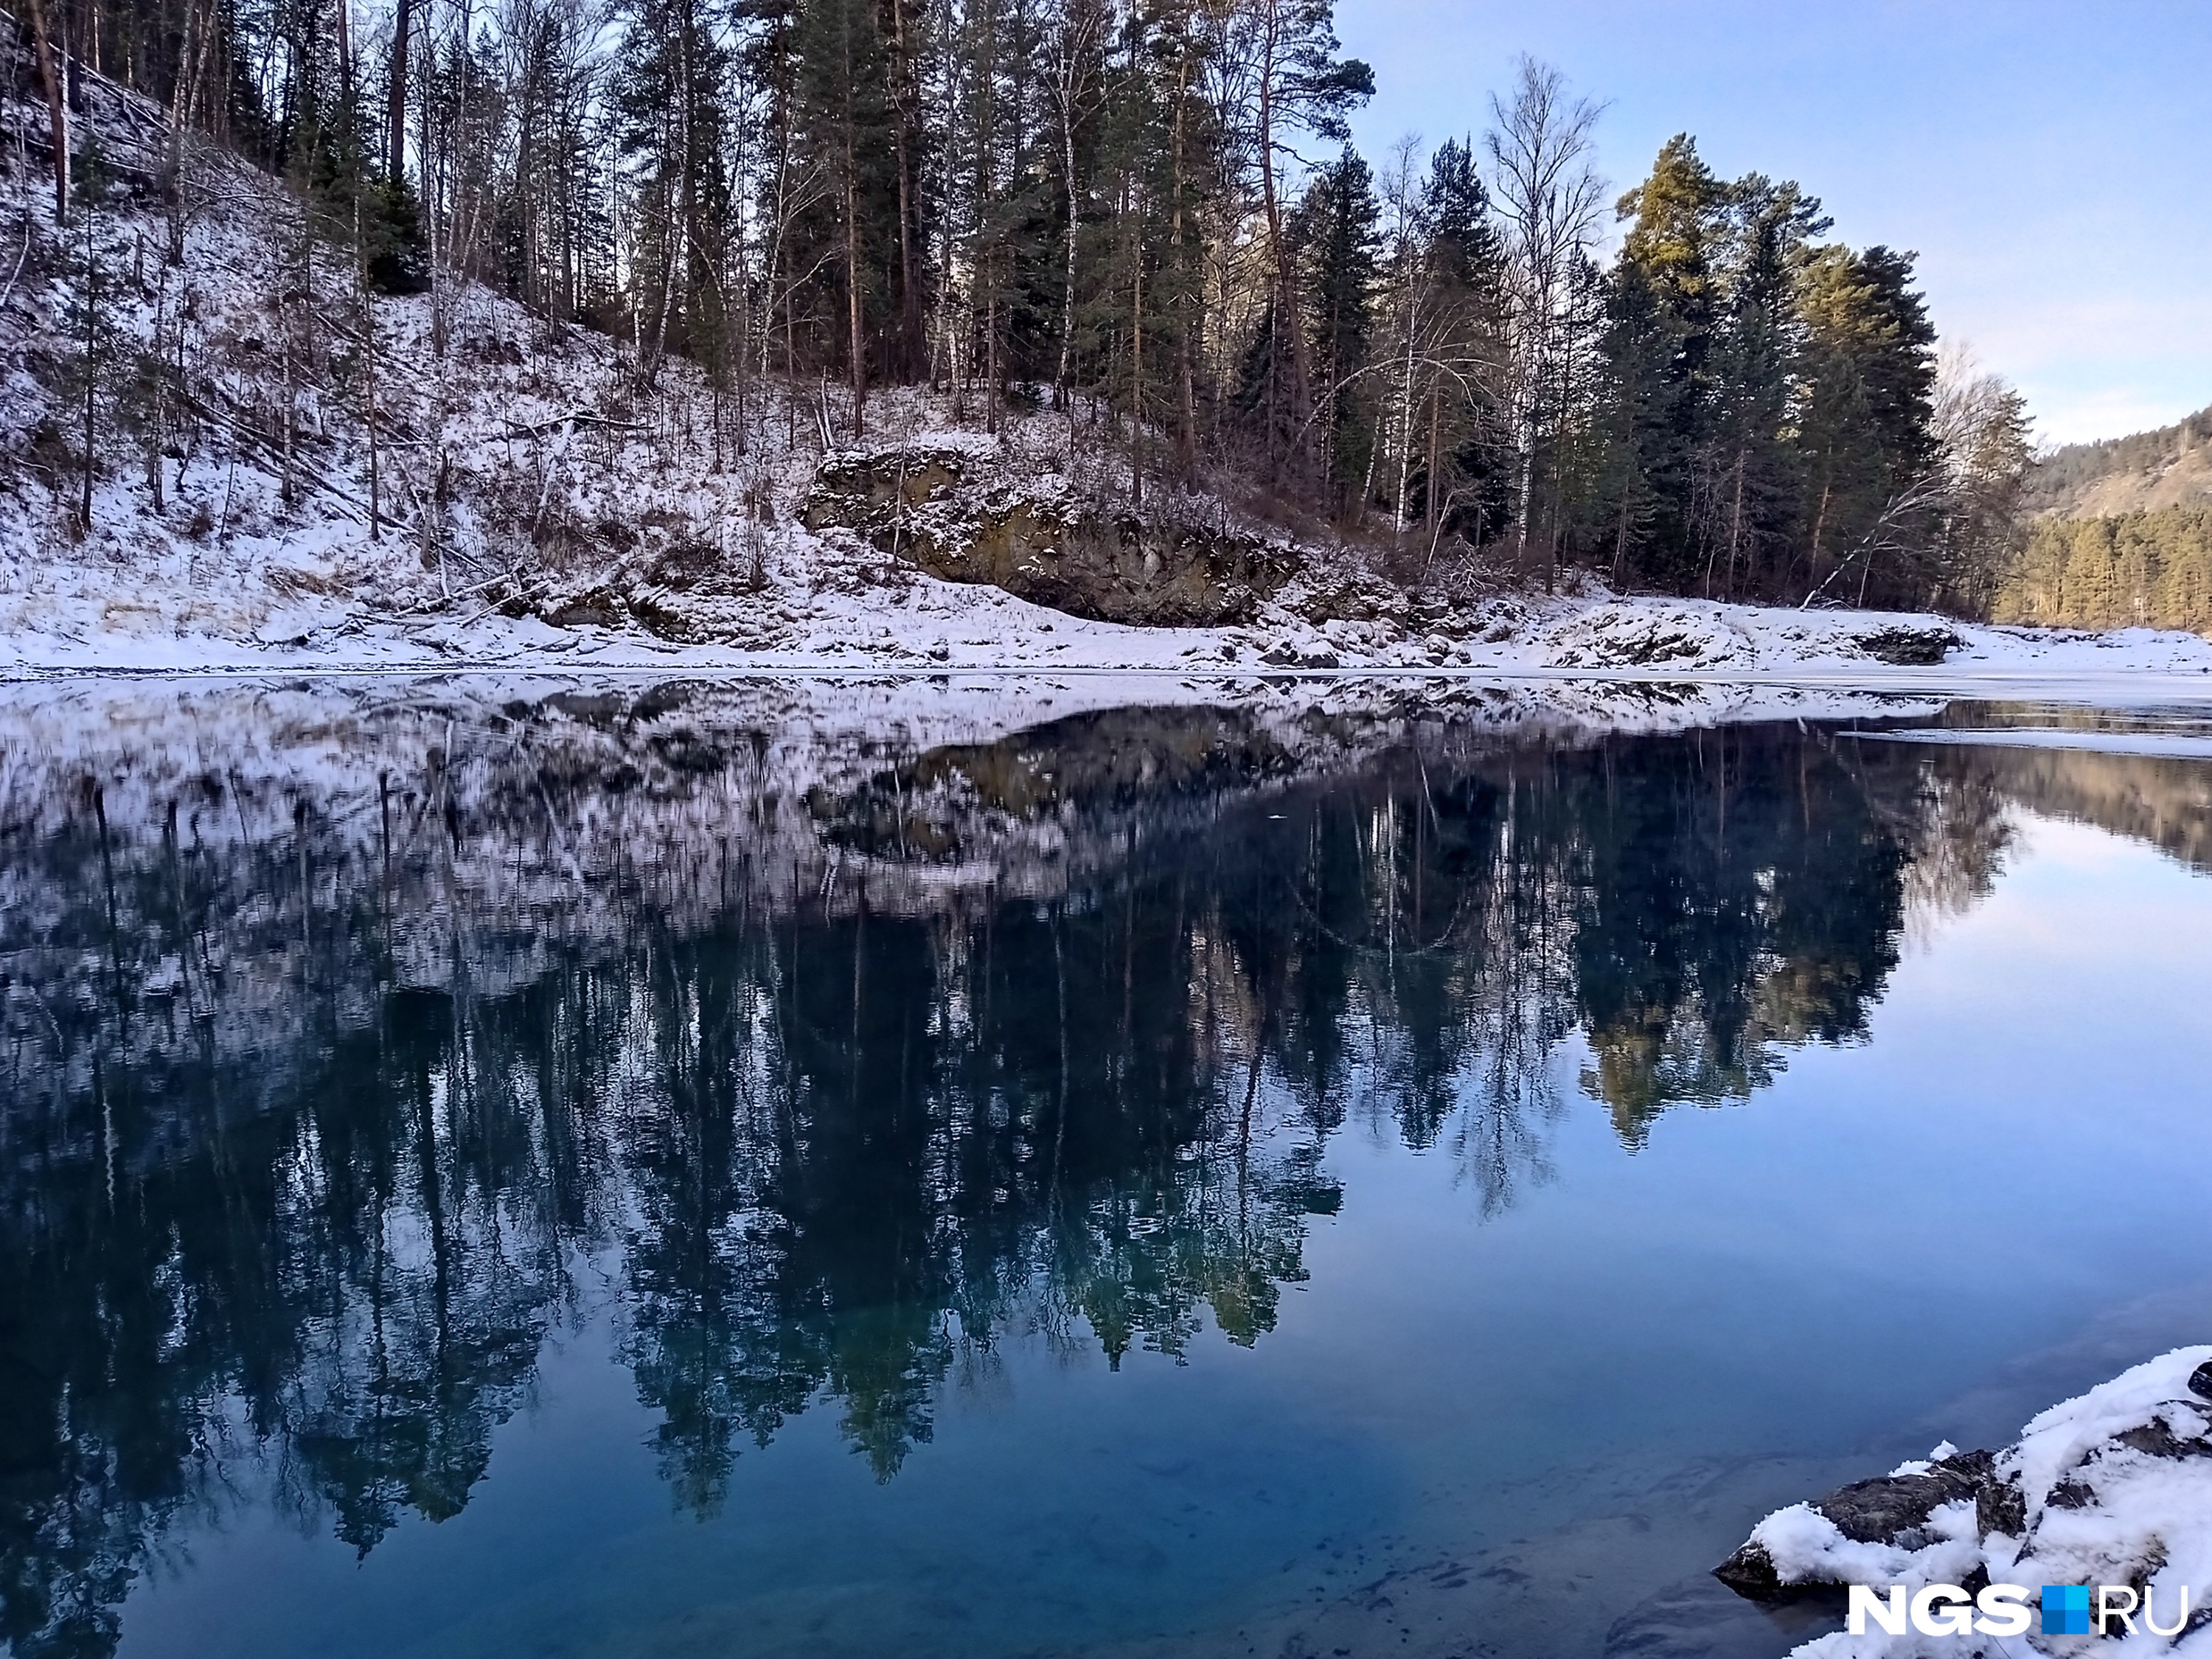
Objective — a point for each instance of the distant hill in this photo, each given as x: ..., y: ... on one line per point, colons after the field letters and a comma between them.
x: 2141, y: 473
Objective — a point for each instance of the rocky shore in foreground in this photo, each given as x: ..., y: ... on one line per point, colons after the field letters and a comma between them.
x: 2112, y: 1488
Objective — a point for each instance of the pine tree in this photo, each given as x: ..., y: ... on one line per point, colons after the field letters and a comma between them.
x: 1866, y: 426
x: 669, y: 104
x: 1662, y: 304
x: 1465, y: 475
x: 96, y: 357
x: 1340, y: 232
x: 1751, y: 487
x: 1112, y: 199
x: 1298, y: 83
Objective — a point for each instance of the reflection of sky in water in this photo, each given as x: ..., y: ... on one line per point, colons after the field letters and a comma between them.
x: 1526, y: 1415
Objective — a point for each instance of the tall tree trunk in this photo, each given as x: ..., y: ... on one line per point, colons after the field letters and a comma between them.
x: 900, y: 75
x: 157, y: 413
x: 191, y: 60
x: 857, y: 339
x: 91, y: 360
x: 1068, y: 293
x: 57, y: 112
x: 940, y: 353
x: 1299, y: 390
x: 1137, y: 371
x: 1528, y: 500
x: 1736, y: 529
x: 1186, y: 411
x: 368, y: 362
x: 1435, y: 516
x: 395, y: 107
x: 1404, y: 419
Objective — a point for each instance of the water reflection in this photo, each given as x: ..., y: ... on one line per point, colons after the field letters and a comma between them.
x: 357, y: 1045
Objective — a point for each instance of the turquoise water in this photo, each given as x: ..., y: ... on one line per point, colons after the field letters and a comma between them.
x: 621, y: 1175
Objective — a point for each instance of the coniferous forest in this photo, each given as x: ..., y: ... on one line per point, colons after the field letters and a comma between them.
x: 2149, y: 569
x: 1148, y: 213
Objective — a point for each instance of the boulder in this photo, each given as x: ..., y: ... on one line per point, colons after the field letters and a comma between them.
x: 1892, y: 1510
x: 1904, y: 647
x: 1638, y: 634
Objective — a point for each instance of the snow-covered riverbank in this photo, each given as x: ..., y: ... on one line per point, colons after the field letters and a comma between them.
x: 123, y: 626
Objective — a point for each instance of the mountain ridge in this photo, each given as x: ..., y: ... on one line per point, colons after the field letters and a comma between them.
x: 2142, y: 472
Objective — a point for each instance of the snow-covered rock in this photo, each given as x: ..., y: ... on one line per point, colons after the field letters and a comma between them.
x: 1646, y: 635
x: 2114, y: 1487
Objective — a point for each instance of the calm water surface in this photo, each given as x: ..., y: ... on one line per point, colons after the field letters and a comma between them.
x: 670, y: 1170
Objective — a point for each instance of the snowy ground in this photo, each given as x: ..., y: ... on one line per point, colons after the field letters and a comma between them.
x: 936, y: 627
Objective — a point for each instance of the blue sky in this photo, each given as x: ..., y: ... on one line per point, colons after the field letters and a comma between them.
x: 2052, y: 163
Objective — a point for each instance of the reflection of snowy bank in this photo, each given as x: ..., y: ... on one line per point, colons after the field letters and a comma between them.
x: 495, y: 826
x: 2113, y: 1488
x: 2169, y: 745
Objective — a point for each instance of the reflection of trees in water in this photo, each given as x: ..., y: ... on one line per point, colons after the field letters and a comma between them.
x: 314, y: 1133
x: 1741, y: 894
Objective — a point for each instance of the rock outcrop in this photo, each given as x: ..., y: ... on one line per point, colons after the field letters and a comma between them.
x: 960, y: 507
x: 2112, y: 1488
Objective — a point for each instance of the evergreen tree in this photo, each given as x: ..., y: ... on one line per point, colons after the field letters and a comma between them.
x: 1465, y: 472
x: 1750, y: 482
x: 1662, y: 306
x: 1340, y: 231
x: 1297, y: 83
x: 96, y: 356
x: 1865, y: 425
x: 1113, y: 198
x: 668, y: 101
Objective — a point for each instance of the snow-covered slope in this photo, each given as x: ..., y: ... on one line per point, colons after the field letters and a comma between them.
x: 530, y: 498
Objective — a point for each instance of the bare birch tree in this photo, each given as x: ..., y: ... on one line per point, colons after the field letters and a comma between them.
x: 1550, y: 197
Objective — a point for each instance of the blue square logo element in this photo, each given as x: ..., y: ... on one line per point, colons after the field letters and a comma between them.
x: 2065, y: 1609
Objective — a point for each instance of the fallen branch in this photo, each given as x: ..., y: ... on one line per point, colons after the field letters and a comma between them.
x: 445, y: 599
x: 520, y: 429
x: 269, y: 447
x: 8, y: 292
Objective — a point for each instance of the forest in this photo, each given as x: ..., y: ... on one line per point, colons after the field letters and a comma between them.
x: 2150, y: 569
x: 1146, y: 215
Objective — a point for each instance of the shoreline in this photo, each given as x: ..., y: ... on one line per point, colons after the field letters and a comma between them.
x: 979, y: 634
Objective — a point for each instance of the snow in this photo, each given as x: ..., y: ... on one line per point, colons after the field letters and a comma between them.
x: 1922, y: 1465
x: 1806, y: 1548
x: 123, y: 624
x: 2147, y: 1509
x: 2115, y: 1488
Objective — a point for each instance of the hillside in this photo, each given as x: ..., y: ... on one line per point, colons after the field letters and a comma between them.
x: 2120, y: 534
x: 221, y: 448
x: 2149, y: 569
x: 282, y: 459
x: 2144, y: 472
